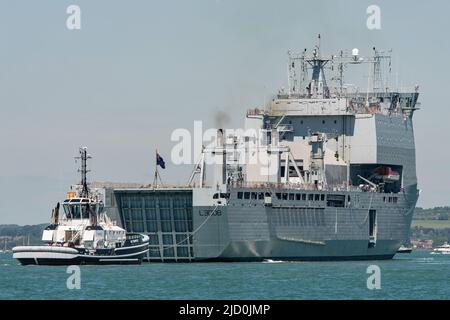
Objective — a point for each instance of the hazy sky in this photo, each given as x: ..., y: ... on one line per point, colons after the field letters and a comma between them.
x: 139, y: 69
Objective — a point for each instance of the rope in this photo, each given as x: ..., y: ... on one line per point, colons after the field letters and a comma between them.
x: 368, y: 211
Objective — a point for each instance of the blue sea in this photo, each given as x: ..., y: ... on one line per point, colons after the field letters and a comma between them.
x: 419, y: 275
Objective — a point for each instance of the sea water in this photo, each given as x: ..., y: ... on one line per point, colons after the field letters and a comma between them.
x: 419, y: 275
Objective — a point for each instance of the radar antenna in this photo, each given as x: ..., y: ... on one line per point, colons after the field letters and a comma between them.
x: 84, y: 156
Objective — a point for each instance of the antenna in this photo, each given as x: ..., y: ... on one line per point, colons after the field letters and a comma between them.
x: 381, y: 81
x: 318, y: 45
x: 83, y: 169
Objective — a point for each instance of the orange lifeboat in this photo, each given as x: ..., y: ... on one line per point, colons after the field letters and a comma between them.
x: 386, y: 174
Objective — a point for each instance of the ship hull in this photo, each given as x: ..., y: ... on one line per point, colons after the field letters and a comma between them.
x: 330, y: 251
x: 296, y: 230
x: 48, y: 255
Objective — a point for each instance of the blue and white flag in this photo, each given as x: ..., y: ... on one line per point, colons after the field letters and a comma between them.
x: 160, y: 161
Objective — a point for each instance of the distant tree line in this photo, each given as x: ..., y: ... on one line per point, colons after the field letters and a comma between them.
x: 439, y: 236
x: 436, y: 213
x: 15, y: 235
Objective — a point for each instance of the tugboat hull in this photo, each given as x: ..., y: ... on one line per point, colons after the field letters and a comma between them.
x: 51, y: 255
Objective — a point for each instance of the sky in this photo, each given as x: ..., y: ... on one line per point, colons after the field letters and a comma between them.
x: 137, y: 70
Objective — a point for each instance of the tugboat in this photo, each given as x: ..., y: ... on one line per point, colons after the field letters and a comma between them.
x: 84, y: 234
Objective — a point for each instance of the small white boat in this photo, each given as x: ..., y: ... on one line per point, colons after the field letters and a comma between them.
x: 444, y: 249
x: 404, y: 249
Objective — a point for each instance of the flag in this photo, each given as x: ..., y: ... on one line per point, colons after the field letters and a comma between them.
x: 160, y: 161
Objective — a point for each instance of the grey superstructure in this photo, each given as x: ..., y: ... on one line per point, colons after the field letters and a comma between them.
x: 324, y: 172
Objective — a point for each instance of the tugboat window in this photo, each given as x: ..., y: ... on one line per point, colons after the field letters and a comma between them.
x: 75, y: 211
x: 84, y: 211
x: 66, y: 211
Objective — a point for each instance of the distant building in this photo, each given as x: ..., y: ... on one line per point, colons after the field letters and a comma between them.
x: 422, y: 244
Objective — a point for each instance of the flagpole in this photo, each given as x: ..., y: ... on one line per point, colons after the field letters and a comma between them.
x: 155, y: 178
x: 157, y: 174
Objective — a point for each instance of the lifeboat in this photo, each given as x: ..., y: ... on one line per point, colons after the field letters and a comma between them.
x: 386, y: 174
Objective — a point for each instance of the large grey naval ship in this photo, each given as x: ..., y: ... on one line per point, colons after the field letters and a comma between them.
x: 325, y: 171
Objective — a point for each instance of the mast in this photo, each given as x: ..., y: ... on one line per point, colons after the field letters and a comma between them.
x: 83, y: 170
x: 317, y: 86
x: 380, y: 80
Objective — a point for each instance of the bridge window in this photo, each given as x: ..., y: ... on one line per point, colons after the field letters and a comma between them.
x: 246, y: 195
x: 84, y: 211
x: 239, y: 195
x: 75, y: 211
x: 298, y: 196
x: 291, y: 196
